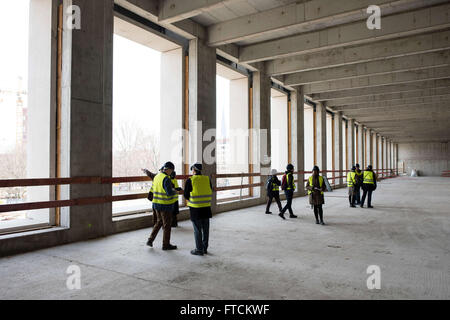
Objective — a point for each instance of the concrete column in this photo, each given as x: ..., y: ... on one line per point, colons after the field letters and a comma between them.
x: 361, y: 145
x: 298, y: 135
x: 171, y: 115
x: 279, y: 132
x: 87, y: 117
x: 261, y: 123
x: 351, y: 148
x: 370, y: 150
x: 202, y: 108
x: 321, y: 134
x: 338, y: 146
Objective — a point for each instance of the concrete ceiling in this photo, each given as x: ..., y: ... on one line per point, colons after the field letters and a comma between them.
x: 395, y: 80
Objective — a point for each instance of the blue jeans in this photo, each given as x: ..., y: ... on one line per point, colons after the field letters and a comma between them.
x: 201, y: 234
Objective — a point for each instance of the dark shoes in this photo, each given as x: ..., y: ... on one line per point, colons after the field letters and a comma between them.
x: 292, y: 216
x: 150, y: 243
x: 362, y: 206
x: 196, y: 253
x: 268, y: 212
x: 322, y: 223
x: 352, y: 206
x: 369, y: 206
x: 170, y: 247
x: 317, y: 222
x: 282, y: 216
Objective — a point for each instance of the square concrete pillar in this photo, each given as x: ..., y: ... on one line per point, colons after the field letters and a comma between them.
x: 338, y: 147
x: 298, y: 136
x: 321, y: 134
x: 361, y: 146
x: 86, y: 138
x: 351, y: 148
x: 202, y: 109
x: 370, y: 151
x: 261, y: 135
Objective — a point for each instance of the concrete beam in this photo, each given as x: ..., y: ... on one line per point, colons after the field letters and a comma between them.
x: 389, y: 97
x: 394, y: 26
x: 392, y: 104
x: 364, y: 92
x: 175, y: 10
x: 439, y: 108
x: 149, y: 9
x: 379, y: 80
x: 301, y: 17
x: 402, y: 117
x: 363, y: 53
x: 400, y: 64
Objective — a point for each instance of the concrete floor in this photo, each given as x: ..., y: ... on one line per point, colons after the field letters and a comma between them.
x: 255, y: 256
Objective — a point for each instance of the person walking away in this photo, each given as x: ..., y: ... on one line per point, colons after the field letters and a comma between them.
x: 198, y: 193
x: 369, y: 185
x: 288, y: 185
x: 351, y: 183
x: 163, y: 200
x: 316, y: 187
x: 358, y: 185
x: 176, y: 207
x: 273, y: 191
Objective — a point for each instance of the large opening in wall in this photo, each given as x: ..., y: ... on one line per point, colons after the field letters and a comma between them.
x: 232, y: 118
x: 344, y: 145
x: 27, y: 114
x: 279, y: 116
x: 147, y: 108
x: 330, y: 142
x: 309, y: 139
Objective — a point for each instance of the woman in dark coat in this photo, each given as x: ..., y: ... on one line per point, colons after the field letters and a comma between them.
x: 273, y: 191
x: 316, y: 187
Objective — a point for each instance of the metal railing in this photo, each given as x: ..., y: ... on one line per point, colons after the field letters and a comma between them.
x: 382, y: 174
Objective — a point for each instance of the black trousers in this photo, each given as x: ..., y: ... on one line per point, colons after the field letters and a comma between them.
x: 201, y: 234
x: 367, y: 191
x: 272, y: 196
x: 288, y: 206
x: 352, y: 199
x: 318, y: 212
x: 357, y: 195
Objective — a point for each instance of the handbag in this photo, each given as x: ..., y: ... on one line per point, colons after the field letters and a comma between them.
x: 150, y: 196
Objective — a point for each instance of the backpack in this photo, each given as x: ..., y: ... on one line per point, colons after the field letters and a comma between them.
x: 284, y: 182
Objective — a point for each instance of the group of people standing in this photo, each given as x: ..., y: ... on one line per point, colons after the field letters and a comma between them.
x: 198, y: 194
x: 357, y: 180
x: 315, y: 186
x: 164, y: 196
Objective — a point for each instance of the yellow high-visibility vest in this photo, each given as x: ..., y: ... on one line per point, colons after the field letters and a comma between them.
x: 159, y: 193
x: 351, y: 179
x: 275, y: 187
x: 311, y: 183
x: 201, y: 194
x: 287, y: 182
x: 369, y: 177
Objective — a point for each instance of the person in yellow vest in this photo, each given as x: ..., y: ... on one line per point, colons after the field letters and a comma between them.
x: 351, y: 183
x: 369, y: 185
x: 273, y: 191
x: 288, y: 185
x: 176, y: 207
x: 316, y: 187
x: 198, y: 193
x: 358, y: 184
x: 164, y: 197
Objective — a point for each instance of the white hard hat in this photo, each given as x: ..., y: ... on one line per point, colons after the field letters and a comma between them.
x: 273, y: 172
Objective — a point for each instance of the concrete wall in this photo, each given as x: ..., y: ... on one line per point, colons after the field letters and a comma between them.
x: 430, y: 158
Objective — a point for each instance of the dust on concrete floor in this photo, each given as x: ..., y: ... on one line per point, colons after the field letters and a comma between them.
x: 258, y: 256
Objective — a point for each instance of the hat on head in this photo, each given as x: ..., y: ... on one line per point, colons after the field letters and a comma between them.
x: 316, y: 168
x: 357, y: 165
x: 169, y: 165
x: 197, y: 166
x: 369, y: 167
x: 273, y: 172
x: 289, y: 167
x: 353, y: 168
